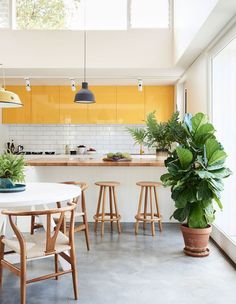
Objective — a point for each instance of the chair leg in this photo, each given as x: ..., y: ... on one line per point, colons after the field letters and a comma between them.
x: 1, y: 258
x: 116, y: 210
x: 98, y: 208
x: 85, y: 221
x: 139, y: 210
x: 74, y: 272
x: 103, y: 211
x: 32, y: 224
x: 111, y: 208
x: 56, y: 264
x: 23, y: 280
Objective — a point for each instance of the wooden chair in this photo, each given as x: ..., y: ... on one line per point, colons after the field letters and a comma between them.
x: 41, y: 245
x: 153, y: 215
x: 113, y: 215
x: 80, y: 227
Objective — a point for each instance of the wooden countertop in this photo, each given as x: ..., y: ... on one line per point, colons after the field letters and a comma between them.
x: 92, y: 162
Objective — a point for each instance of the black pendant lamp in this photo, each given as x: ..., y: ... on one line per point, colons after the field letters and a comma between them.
x: 84, y: 95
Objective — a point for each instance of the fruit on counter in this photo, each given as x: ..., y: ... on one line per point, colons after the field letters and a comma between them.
x: 81, y: 146
x: 118, y: 156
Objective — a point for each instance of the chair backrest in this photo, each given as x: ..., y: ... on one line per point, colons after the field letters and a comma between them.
x: 51, y: 234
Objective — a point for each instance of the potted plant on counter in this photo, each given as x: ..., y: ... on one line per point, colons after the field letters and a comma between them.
x: 159, y: 135
x: 195, y: 172
x: 11, y: 172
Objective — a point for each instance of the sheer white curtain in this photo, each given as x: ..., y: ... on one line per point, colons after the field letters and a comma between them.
x: 224, y: 120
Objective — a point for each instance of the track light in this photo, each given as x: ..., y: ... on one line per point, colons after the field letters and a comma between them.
x: 73, y: 87
x: 27, y: 84
x: 140, y: 85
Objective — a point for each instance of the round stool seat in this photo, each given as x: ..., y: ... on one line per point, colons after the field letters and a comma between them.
x: 107, y: 184
x: 149, y: 184
x: 82, y: 185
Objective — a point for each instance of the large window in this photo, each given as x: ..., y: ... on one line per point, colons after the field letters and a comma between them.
x: 80, y: 14
x: 223, y: 114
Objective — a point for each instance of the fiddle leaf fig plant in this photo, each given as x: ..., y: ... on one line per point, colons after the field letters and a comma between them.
x: 12, y: 167
x: 195, y: 172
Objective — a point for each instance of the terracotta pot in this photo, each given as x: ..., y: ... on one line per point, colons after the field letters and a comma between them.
x: 196, y: 240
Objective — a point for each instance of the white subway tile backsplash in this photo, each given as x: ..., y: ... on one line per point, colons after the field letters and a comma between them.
x: 103, y: 138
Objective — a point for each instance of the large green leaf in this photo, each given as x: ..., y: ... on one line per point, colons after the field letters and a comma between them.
x: 185, y: 157
x: 181, y: 198
x: 212, y: 145
x: 181, y: 214
x: 203, y: 133
x: 216, y: 157
x: 167, y: 179
x: 217, y: 200
x: 209, y: 214
x: 217, y: 174
x: 196, y: 217
x: 203, y: 192
x: 198, y: 120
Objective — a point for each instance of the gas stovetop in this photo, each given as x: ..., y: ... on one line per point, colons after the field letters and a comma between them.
x: 38, y: 153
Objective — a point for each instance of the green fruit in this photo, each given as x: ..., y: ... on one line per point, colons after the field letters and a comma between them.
x: 110, y: 155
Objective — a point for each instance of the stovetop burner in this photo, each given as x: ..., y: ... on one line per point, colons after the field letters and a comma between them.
x: 38, y: 153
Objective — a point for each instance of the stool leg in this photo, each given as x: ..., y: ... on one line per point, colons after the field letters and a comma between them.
x: 103, y: 210
x: 32, y: 224
x: 152, y: 213
x: 98, y: 208
x: 116, y: 210
x: 85, y: 221
x: 158, y: 211
x: 145, y: 208
x: 111, y: 207
x: 139, y: 210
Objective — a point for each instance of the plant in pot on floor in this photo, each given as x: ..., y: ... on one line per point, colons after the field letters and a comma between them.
x: 11, y: 172
x: 195, y: 172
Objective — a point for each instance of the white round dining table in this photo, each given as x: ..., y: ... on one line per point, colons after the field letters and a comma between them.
x: 39, y: 194
x: 36, y: 196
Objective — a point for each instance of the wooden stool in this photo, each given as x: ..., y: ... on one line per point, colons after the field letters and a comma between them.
x: 152, y: 216
x: 112, y: 216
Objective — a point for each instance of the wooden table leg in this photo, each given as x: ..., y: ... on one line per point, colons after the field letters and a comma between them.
x: 139, y: 210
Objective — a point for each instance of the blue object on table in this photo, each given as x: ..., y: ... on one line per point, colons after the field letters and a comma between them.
x: 14, y: 188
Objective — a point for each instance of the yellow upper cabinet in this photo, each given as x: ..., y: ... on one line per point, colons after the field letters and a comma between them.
x: 161, y: 100
x: 104, y: 110
x: 45, y: 105
x: 71, y: 112
x: 20, y: 115
x: 130, y: 105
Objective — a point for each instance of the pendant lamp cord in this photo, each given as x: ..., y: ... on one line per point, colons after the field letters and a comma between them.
x: 3, y: 76
x: 85, y: 41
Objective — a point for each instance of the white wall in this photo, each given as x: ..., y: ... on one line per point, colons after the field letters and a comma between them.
x: 189, y: 17
x: 3, y: 134
x: 105, y: 49
x: 196, y: 82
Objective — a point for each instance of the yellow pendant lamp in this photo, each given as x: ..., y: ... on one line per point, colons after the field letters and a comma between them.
x: 8, y: 99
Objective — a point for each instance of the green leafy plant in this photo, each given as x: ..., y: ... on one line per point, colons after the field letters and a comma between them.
x: 195, y: 172
x: 12, y: 167
x: 159, y: 135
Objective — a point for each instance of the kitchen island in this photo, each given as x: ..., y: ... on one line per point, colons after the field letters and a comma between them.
x: 91, y: 169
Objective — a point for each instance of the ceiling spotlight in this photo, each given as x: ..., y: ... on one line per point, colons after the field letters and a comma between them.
x: 140, y: 85
x: 27, y: 84
x: 73, y: 87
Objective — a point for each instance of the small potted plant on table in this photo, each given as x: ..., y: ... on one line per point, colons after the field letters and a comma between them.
x: 11, y: 172
x: 195, y: 172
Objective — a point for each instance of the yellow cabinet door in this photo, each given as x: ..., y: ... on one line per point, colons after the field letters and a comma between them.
x: 45, y: 104
x: 20, y: 115
x: 104, y: 110
x: 130, y: 105
x: 71, y: 112
x: 161, y: 100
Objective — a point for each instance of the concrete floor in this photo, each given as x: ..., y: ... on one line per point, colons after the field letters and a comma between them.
x: 132, y: 269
